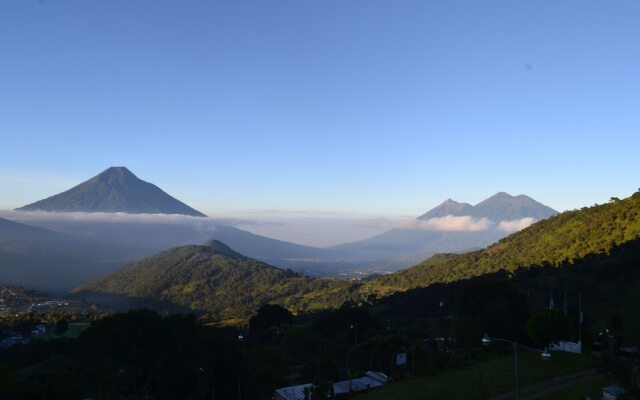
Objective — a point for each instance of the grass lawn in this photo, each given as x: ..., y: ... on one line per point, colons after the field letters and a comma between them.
x: 593, y: 389
x: 481, y: 379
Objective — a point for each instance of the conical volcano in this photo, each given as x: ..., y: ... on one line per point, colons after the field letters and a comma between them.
x: 114, y: 190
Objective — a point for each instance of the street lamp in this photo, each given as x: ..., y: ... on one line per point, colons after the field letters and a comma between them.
x: 486, y: 341
x: 241, y: 341
x: 546, y: 355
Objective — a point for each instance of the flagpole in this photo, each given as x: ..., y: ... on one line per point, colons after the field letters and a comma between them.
x: 580, y: 318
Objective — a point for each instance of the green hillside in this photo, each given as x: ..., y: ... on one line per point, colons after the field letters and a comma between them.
x: 557, y: 241
x: 215, y: 279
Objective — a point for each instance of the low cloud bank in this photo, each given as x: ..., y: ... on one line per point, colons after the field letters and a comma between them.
x: 101, y: 217
x: 516, y: 224
x: 319, y: 230
x: 451, y: 223
x: 313, y: 229
x: 448, y: 223
x: 174, y: 219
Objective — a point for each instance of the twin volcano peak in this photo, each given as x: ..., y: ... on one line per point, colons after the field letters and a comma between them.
x: 500, y: 207
x: 116, y: 189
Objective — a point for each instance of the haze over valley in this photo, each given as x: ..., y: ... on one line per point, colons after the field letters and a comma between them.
x: 127, y: 218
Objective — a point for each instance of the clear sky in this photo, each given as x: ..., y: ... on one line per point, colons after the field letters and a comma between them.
x: 372, y: 107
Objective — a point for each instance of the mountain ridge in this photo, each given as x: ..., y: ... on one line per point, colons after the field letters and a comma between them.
x: 51, y: 261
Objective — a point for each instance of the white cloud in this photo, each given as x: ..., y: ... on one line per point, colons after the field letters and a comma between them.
x: 309, y: 229
x: 516, y: 224
x: 103, y: 217
x: 449, y: 223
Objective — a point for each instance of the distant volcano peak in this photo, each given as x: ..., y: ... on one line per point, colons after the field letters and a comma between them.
x: 447, y: 207
x: 117, y: 171
x: 450, y: 201
x: 115, y: 189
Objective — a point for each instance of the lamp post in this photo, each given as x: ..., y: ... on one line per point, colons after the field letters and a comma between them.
x: 443, y: 323
x: 487, y: 340
x: 241, y: 341
x: 353, y: 326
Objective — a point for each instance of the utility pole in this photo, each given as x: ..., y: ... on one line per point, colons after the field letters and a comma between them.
x: 355, y: 334
x: 444, y: 325
x: 353, y: 326
x: 517, y: 368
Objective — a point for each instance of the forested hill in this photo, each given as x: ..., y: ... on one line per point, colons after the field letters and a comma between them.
x: 557, y: 241
x: 215, y: 279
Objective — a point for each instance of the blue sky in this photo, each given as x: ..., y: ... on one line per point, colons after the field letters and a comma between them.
x: 345, y: 107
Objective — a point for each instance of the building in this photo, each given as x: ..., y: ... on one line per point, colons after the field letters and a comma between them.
x: 569, y: 347
x: 370, y: 380
x: 298, y: 392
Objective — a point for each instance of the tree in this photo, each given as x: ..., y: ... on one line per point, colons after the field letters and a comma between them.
x: 549, y: 326
x: 61, y: 327
x: 616, y: 323
x: 268, y: 316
